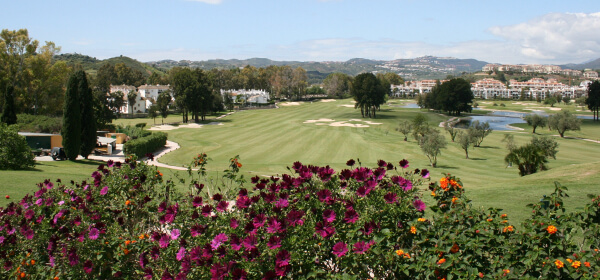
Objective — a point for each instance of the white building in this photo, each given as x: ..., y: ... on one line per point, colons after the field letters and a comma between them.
x: 150, y: 92
x: 253, y: 96
x: 146, y: 95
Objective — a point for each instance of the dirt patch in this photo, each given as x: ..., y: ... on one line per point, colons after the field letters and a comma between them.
x: 289, y: 104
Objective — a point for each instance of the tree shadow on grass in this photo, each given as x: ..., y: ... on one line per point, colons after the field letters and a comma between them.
x: 488, y: 147
x: 478, y: 158
x: 446, y: 167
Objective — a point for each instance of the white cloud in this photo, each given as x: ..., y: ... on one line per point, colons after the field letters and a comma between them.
x: 214, y: 2
x: 560, y: 37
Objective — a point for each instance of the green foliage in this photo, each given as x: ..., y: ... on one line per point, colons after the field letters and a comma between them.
x: 88, y: 119
x: 71, y: 128
x: 368, y: 93
x: 134, y: 132
x: 419, y: 125
x: 454, y: 96
x: 593, y: 98
x: 432, y: 143
x: 140, y: 125
x: 405, y: 127
x: 478, y: 131
x: 550, y: 101
x: 38, y: 123
x: 9, y: 115
x: 533, y: 156
x: 465, y: 141
x: 14, y: 151
x: 453, y: 131
x: 144, y: 145
x: 536, y: 120
x: 564, y: 121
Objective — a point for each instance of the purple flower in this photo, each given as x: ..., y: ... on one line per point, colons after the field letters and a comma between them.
x: 329, y: 215
x: 206, y: 210
x: 249, y: 242
x: 282, y: 203
x: 274, y: 225
x: 419, y: 205
x: 175, y: 234
x: 29, y: 214
x: 259, y: 220
x: 110, y: 163
x: 27, y: 232
x: 218, y: 240
x: 390, y: 197
x: 294, y: 218
x: 404, y: 163
x: 166, y: 275
x: 93, y: 233
x: 324, y: 196
x: 222, y: 206
x: 340, y: 249
x: 350, y: 162
x: 239, y: 274
x: 235, y: 242
x: 350, y: 216
x: 361, y: 247
x: 87, y: 266
x: 324, y: 229
x: 73, y: 257
x: 197, y: 230
x: 425, y: 173
x: 104, y: 190
x: 164, y: 241
x: 233, y: 223
x: 274, y: 242
x: 197, y: 202
x: 282, y: 258
x: 243, y: 202
x: 181, y: 253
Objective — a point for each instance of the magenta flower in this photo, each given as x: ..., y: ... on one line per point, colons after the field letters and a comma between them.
x: 235, y: 242
x: 274, y: 225
x: 329, y: 215
x: 425, y: 173
x: 166, y: 275
x: 197, y: 229
x: 197, y: 201
x: 350, y: 216
x: 324, y: 195
x: 324, y: 229
x: 73, y: 257
x: 239, y: 274
x: 340, y: 249
x: 249, y: 242
x: 274, y: 242
x: 350, y: 162
x: 419, y: 205
x: 93, y: 233
x: 87, y: 266
x: 233, y: 223
x: 29, y: 214
x: 390, y: 197
x: 164, y: 241
x: 361, y: 247
x: 294, y: 218
x: 181, y: 253
x: 175, y: 234
x: 243, y: 202
x: 259, y: 220
x: 222, y: 206
x: 404, y: 163
x: 282, y: 203
x: 206, y: 210
x: 104, y: 190
x: 282, y: 258
x: 218, y: 240
x: 27, y: 232
x: 362, y: 191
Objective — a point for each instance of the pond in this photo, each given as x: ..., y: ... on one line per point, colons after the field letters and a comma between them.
x: 408, y: 105
x: 496, y: 122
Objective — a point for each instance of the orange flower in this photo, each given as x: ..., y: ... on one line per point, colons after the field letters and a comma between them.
x: 480, y: 275
x: 444, y: 183
x: 489, y: 220
x: 127, y: 242
x: 508, y: 229
x: 32, y: 262
x: 587, y: 264
x: 432, y: 193
x: 55, y: 278
x: 441, y: 261
x: 421, y: 219
x: 506, y: 271
x: 399, y: 252
x: 569, y: 260
x: 238, y: 164
x: 22, y: 275
x: 141, y: 236
x: 576, y: 264
x: 413, y: 230
x: 559, y: 264
x: 125, y: 251
x: 454, y: 248
x: 453, y: 183
x: 551, y: 229
x: 127, y: 202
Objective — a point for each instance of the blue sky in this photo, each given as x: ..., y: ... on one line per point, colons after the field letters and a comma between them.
x: 545, y: 32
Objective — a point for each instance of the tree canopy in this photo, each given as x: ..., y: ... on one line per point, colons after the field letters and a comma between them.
x: 368, y: 93
x: 564, y: 121
x: 593, y: 98
x: 454, y: 96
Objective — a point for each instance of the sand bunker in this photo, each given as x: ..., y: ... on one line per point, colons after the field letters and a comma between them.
x: 348, y: 123
x: 555, y: 109
x: 289, y: 104
x: 328, y: 100
x: 348, y: 106
x: 190, y: 125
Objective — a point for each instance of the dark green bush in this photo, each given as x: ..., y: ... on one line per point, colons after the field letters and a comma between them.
x: 134, y: 132
x: 36, y: 123
x: 140, y: 125
x: 143, y: 145
x: 14, y: 151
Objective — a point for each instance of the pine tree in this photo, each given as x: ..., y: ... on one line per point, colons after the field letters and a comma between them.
x: 9, y: 116
x: 88, y: 120
x: 71, y: 130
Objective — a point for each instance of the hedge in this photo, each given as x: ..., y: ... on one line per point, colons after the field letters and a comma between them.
x: 143, y: 145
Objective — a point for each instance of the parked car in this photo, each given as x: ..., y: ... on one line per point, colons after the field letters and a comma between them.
x: 58, y: 153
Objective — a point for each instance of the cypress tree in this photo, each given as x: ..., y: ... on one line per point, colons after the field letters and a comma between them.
x: 9, y: 116
x: 71, y: 130
x: 88, y: 120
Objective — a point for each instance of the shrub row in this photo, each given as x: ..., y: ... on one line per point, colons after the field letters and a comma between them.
x: 130, y: 223
x: 37, y: 123
x: 143, y: 145
x: 134, y: 131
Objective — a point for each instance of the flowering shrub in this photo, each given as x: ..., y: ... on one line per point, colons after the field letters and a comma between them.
x: 358, y: 223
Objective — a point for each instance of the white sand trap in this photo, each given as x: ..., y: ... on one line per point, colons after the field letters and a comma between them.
x: 348, y: 106
x: 189, y: 125
x: 486, y: 102
x: 164, y: 127
x: 319, y: 120
x: 555, y: 109
x: 328, y: 100
x: 289, y: 103
x: 355, y: 120
x: 338, y: 124
x: 214, y: 123
x: 372, y: 123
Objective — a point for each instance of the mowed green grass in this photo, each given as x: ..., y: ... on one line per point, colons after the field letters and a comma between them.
x: 270, y: 140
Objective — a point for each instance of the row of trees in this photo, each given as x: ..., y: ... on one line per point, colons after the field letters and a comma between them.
x: 561, y: 122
